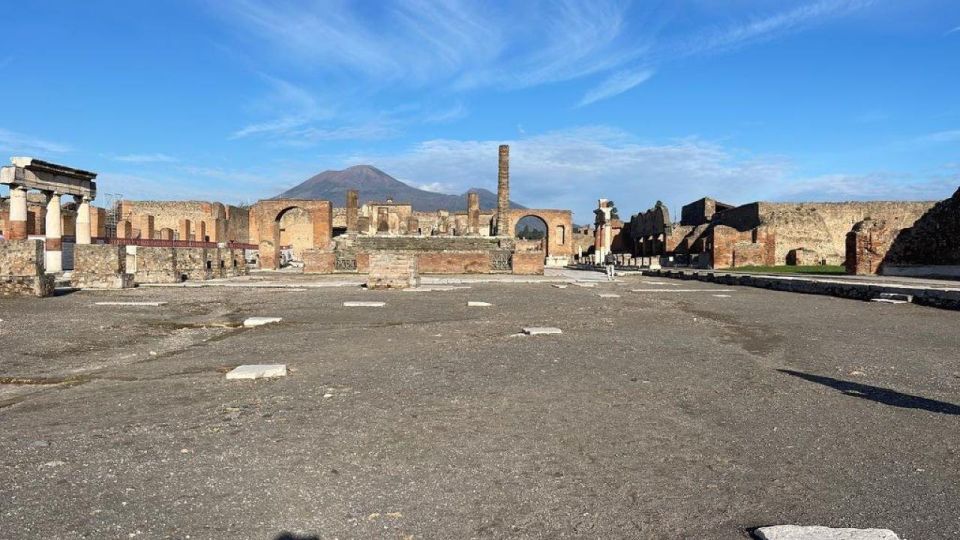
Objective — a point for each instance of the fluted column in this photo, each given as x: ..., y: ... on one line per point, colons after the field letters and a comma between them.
x: 83, y: 219
x: 54, y: 256
x: 18, y: 214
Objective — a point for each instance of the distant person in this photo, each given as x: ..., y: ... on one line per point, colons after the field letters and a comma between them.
x: 611, y: 263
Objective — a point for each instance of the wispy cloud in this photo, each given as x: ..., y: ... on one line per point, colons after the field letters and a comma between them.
x: 957, y: 29
x: 948, y: 136
x: 19, y: 143
x: 288, y: 105
x: 144, y: 158
x: 572, y: 168
x: 616, y: 84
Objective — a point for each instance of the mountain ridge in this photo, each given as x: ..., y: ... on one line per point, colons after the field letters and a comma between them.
x: 374, y: 185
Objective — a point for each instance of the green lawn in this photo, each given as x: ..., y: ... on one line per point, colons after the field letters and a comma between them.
x: 817, y: 269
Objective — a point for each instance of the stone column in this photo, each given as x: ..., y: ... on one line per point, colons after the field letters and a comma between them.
x: 83, y: 219
x: 383, y: 220
x: 18, y: 213
x: 353, y: 200
x: 503, y: 192
x: 54, y: 249
x: 473, y: 213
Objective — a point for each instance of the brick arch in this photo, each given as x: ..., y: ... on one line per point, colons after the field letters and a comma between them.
x: 557, y: 245
x: 265, y: 225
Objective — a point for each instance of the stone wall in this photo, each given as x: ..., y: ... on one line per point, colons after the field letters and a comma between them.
x: 529, y: 263
x: 168, y: 215
x: 867, y: 245
x: 730, y: 248
x: 22, y: 269
x: 173, y: 265
x: 319, y: 261
x: 455, y: 262
x: 100, y: 266
x: 933, y: 240
x: 394, y: 270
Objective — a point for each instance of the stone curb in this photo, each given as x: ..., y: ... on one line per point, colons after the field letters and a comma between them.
x: 924, y: 296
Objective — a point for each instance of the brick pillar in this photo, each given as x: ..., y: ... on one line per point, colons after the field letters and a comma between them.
x: 503, y: 192
x: 202, y: 231
x: 54, y: 249
x: 146, y: 227
x: 124, y: 229
x: 83, y: 220
x: 473, y: 213
x: 363, y: 224
x: 412, y: 225
x: 184, y: 230
x: 18, y: 213
x: 166, y: 234
x: 353, y: 206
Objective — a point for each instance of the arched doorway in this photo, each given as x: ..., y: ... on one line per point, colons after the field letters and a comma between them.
x: 295, y: 226
x: 532, y: 233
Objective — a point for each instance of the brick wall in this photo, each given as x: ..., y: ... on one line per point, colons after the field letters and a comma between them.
x: 393, y: 270
x: 22, y: 269
x: 867, y: 245
x: 319, y: 261
x: 529, y: 263
x: 455, y: 262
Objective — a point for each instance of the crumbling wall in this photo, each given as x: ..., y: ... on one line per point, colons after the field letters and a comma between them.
x: 101, y: 266
x: 168, y: 214
x: 22, y: 269
x: 393, y: 270
x: 528, y: 263
x: 319, y: 261
x: 932, y: 241
x: 237, y: 227
x: 866, y: 246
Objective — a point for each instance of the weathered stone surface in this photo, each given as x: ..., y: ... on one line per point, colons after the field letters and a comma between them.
x: 798, y: 532
x: 933, y: 240
x: 22, y: 269
x: 258, y: 371
x: 251, y: 322
x: 541, y: 331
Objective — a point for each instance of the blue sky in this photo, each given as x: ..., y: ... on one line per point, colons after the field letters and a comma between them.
x: 635, y: 101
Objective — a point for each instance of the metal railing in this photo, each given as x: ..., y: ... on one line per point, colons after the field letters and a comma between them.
x: 155, y: 242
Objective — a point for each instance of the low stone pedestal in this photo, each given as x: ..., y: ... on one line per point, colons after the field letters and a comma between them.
x: 22, y: 269
x: 100, y: 266
x: 393, y: 271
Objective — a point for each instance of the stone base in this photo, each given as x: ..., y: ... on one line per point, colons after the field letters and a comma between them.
x: 39, y: 286
x: 84, y: 280
x: 393, y: 271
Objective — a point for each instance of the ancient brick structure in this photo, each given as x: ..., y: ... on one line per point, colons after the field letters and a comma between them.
x: 217, y: 222
x: 101, y: 266
x: 528, y: 263
x: 22, y: 269
x: 177, y: 264
x: 867, y: 245
x: 393, y: 270
x: 473, y: 213
x: 319, y: 261
x: 701, y: 211
x: 265, y: 217
x: 931, y: 246
x: 353, y: 207
x: 558, y: 247
x: 503, y: 223
x: 804, y: 257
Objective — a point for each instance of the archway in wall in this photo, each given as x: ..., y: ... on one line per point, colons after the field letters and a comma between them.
x: 296, y: 233
x: 532, y: 233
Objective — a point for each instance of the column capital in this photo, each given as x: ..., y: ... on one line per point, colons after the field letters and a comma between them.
x: 82, y: 199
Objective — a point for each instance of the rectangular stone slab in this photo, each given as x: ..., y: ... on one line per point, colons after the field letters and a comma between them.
x: 799, y: 532
x: 258, y: 371
x: 250, y: 322
x: 153, y: 304
x: 364, y: 304
x: 478, y: 304
x: 609, y: 295
x: 541, y: 331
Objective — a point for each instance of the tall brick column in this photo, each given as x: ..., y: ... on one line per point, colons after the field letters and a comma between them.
x: 353, y: 207
x: 146, y: 227
x: 473, y: 213
x: 83, y: 219
x: 184, y: 230
x: 54, y: 241
x: 503, y: 192
x: 18, y: 213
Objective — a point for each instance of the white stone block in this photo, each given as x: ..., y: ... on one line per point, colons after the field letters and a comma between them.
x: 478, y: 304
x: 608, y: 295
x: 559, y: 286
x: 541, y: 331
x: 363, y: 304
x: 258, y: 371
x: 798, y: 532
x: 151, y: 304
x: 250, y: 322
x: 588, y: 285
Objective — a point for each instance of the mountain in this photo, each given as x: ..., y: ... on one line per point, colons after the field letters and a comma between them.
x: 376, y: 185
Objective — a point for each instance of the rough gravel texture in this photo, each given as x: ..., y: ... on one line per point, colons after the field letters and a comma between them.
x: 655, y: 415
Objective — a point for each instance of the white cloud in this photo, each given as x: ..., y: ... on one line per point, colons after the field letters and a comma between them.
x: 18, y: 143
x: 573, y: 168
x: 144, y: 158
x: 616, y: 84
x: 437, y: 187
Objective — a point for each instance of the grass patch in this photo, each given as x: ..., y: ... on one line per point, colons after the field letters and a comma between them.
x: 824, y: 269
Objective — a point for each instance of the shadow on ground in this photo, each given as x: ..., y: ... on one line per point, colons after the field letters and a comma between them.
x: 878, y: 394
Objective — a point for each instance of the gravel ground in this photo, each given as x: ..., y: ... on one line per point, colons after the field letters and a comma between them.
x: 654, y: 415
